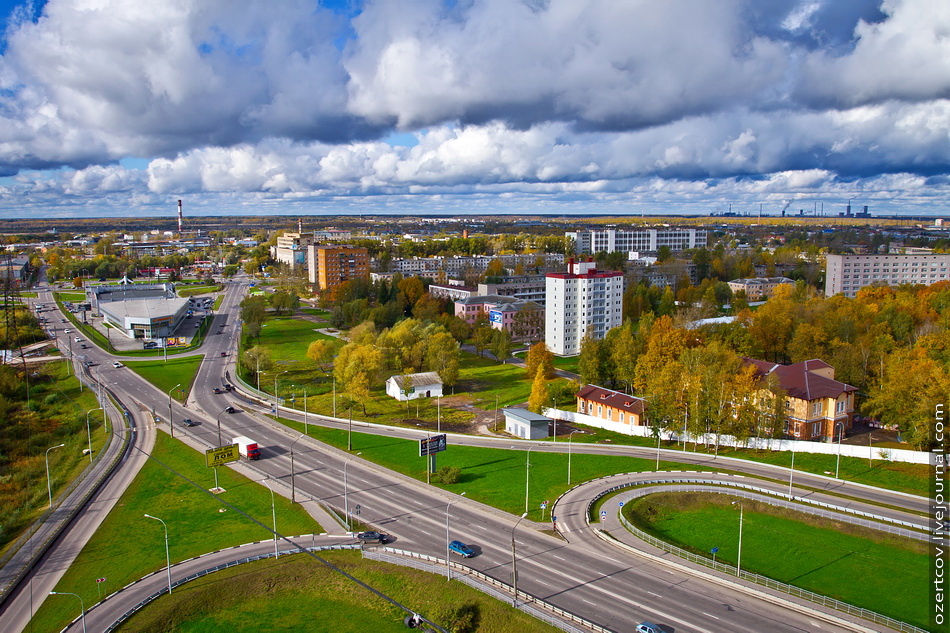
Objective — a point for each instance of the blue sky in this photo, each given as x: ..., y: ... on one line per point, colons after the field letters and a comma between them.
x: 118, y: 108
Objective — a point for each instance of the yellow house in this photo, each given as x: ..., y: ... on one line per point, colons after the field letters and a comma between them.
x: 817, y: 407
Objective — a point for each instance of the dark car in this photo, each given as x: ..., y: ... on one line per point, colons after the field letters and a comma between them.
x: 461, y: 549
x: 372, y: 537
x: 188, y: 422
x: 230, y: 410
x: 216, y: 390
x: 228, y: 387
x: 224, y: 354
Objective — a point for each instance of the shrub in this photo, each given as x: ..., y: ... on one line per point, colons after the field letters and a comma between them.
x: 448, y: 474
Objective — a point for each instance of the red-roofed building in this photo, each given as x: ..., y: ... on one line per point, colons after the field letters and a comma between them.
x: 610, y: 405
x: 817, y: 406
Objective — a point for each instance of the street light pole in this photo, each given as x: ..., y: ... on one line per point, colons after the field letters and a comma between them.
x: 88, y: 432
x: 171, y: 425
x: 81, y: 604
x: 293, y: 496
x: 306, y: 428
x: 49, y: 486
x: 276, y: 397
x: 438, y: 405
x: 273, y: 512
x: 514, y: 563
x: 739, y: 557
x: 349, y: 428
x: 569, y: 437
x: 346, y: 502
x: 168, y: 560
x: 554, y: 417
x: 791, y: 473
x: 448, y: 563
x: 527, y: 467
x: 838, y: 459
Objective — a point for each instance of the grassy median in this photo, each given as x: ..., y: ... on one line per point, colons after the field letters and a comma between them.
x: 864, y: 567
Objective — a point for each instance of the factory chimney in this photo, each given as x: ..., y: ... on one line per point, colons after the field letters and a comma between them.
x: 179, y: 217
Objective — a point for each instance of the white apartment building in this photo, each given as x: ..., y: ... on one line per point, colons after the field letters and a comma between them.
x: 846, y: 274
x: 583, y: 301
x: 291, y: 249
x: 638, y: 240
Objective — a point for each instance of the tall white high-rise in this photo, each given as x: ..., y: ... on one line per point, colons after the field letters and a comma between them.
x: 582, y: 302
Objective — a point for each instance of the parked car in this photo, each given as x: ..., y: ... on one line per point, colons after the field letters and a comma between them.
x: 230, y: 410
x: 67, y: 331
x: 78, y: 340
x: 188, y: 422
x: 83, y: 346
x: 461, y: 549
x: 372, y: 537
x: 117, y: 364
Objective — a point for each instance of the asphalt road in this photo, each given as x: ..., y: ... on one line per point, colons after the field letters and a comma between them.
x: 591, y: 579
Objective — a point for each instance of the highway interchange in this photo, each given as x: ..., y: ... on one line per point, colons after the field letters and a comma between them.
x: 577, y: 573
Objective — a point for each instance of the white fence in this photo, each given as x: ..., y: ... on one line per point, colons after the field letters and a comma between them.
x: 847, y: 450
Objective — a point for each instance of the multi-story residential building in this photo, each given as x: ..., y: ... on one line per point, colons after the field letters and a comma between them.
x: 456, y: 266
x: 330, y: 266
x: 291, y: 249
x: 582, y: 302
x: 817, y: 407
x: 523, y: 319
x: 526, y: 287
x: 846, y: 274
x: 451, y: 291
x: 610, y: 405
x: 637, y: 240
x: 759, y: 288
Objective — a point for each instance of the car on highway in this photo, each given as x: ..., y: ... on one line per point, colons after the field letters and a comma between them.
x: 216, y: 390
x: 83, y: 346
x: 117, y: 364
x: 461, y: 549
x: 63, y: 321
x: 67, y: 331
x: 230, y: 410
x: 223, y: 354
x: 648, y: 627
x: 372, y: 537
x: 188, y: 422
x: 78, y: 340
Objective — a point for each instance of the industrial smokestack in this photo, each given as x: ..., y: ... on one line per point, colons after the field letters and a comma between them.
x: 179, y: 216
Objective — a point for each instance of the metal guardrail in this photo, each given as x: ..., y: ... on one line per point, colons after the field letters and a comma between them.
x: 815, y: 598
x: 527, y: 603
x: 41, y: 548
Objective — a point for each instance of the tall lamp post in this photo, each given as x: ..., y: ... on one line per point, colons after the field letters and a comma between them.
x: 553, y: 410
x: 293, y: 494
x: 89, y: 432
x: 171, y: 426
x: 273, y: 512
x: 570, y: 435
x: 349, y: 427
x: 840, y: 426
x: 448, y: 563
x: 49, y: 486
x: 791, y: 473
x: 527, y: 468
x: 346, y: 502
x: 514, y: 562
x: 81, y: 604
x: 739, y: 557
x: 168, y: 560
x: 276, y: 397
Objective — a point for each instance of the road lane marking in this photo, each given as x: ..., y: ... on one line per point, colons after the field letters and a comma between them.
x: 709, y: 615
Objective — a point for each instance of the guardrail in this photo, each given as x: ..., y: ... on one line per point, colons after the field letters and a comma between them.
x: 65, y: 521
x: 792, y: 590
x: 525, y: 602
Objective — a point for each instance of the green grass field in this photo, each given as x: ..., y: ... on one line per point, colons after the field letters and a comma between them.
x: 57, y: 415
x: 127, y: 545
x: 70, y: 296
x: 199, y: 290
x: 863, y: 567
x: 302, y: 595
x: 165, y: 375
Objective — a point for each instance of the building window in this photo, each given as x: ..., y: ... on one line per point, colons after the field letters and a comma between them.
x: 816, y: 409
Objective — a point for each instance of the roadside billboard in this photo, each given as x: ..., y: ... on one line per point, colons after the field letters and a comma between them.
x: 222, y: 455
x: 432, y: 445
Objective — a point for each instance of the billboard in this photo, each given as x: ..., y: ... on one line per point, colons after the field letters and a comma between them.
x: 494, y: 316
x: 431, y: 445
x: 222, y: 455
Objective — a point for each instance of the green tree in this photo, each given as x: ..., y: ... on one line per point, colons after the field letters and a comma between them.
x: 442, y: 354
x: 256, y: 360
x: 482, y: 337
x: 501, y: 344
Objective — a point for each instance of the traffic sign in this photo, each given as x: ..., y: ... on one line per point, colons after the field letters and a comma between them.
x: 603, y: 515
x: 100, y: 579
x: 544, y: 505
x: 621, y: 504
x: 714, y: 550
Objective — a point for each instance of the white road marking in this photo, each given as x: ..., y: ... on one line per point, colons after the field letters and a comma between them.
x: 709, y: 615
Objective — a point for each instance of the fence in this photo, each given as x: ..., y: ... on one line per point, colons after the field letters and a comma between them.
x: 768, y: 444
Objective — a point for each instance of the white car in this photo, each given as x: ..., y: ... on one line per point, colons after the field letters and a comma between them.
x: 67, y: 331
x: 648, y: 627
x: 117, y: 364
x: 78, y: 340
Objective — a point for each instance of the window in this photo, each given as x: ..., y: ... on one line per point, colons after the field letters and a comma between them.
x: 816, y: 408
x: 621, y: 417
x: 600, y: 411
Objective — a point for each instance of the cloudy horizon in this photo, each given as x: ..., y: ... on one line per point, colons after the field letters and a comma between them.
x: 434, y: 107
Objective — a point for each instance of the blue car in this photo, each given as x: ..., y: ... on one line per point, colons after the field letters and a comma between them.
x: 461, y: 549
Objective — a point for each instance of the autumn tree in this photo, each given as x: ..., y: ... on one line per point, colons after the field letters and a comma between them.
x: 539, y: 393
x: 320, y: 351
x: 501, y: 344
x: 257, y: 359
x: 442, y: 355
x: 539, y: 356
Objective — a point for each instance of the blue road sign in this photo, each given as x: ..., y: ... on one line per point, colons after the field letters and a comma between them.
x: 621, y: 504
x: 714, y: 550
